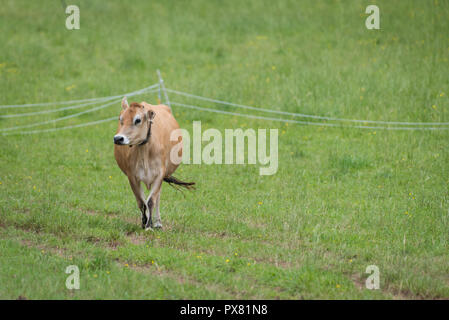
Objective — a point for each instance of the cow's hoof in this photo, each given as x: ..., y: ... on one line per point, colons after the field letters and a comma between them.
x: 158, y: 225
x: 149, y: 225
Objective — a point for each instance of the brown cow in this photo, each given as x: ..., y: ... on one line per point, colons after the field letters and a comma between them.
x: 142, y: 151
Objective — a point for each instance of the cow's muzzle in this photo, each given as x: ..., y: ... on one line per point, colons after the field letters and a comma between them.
x: 120, y: 140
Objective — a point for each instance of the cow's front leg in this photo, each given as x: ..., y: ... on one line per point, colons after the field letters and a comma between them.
x: 140, y: 198
x: 143, y: 210
x: 149, y: 224
x: 157, y: 214
x: 152, y: 201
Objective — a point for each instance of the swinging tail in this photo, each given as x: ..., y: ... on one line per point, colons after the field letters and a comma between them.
x: 172, y: 180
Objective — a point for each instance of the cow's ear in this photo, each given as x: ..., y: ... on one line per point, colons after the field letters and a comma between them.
x: 151, y: 114
x: 125, y: 103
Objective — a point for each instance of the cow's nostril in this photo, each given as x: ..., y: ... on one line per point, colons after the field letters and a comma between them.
x: 118, y: 139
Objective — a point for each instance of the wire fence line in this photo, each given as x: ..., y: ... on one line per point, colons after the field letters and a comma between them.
x: 304, y: 122
x: 228, y: 113
x: 161, y: 85
x: 74, y: 101
x: 27, y: 114
x: 60, y: 119
x: 411, y: 125
x: 104, y: 99
x: 85, y: 124
x: 158, y: 87
x: 302, y: 115
x: 69, y: 116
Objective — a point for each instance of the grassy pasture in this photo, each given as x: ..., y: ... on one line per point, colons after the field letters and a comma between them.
x: 342, y: 198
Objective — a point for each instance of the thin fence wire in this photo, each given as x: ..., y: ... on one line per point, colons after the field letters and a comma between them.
x: 104, y: 99
x: 85, y: 124
x: 71, y: 115
x: 60, y: 119
x: 27, y: 114
x: 302, y: 115
x: 304, y: 122
x: 228, y: 113
x: 72, y: 101
x: 160, y: 85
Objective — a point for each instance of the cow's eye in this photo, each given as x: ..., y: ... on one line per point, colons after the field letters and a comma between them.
x: 137, y: 121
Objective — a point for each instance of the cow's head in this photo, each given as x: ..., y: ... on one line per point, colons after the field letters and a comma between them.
x: 134, y: 124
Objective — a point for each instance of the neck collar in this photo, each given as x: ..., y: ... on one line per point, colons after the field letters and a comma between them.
x: 150, y: 122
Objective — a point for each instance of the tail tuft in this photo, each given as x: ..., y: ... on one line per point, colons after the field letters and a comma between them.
x: 172, y: 180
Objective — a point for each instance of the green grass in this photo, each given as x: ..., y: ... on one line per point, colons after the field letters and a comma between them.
x: 342, y: 199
